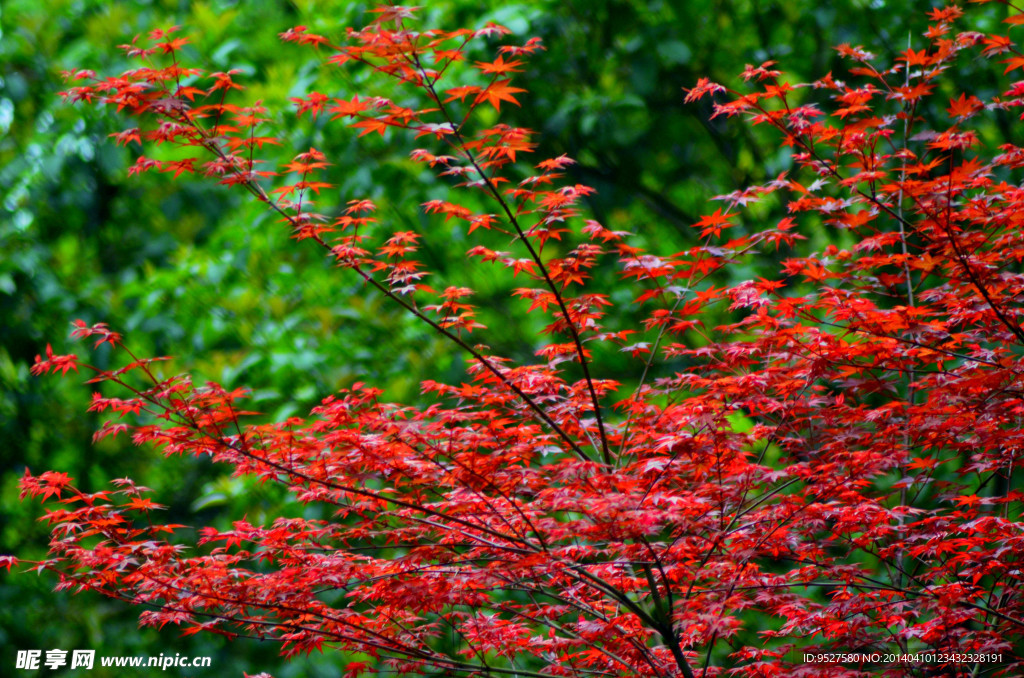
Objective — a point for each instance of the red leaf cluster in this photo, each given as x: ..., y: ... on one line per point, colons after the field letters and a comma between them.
x: 830, y: 469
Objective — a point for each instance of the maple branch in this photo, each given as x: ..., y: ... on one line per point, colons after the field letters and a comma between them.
x: 289, y: 471
x: 427, y: 84
x: 260, y: 194
x: 911, y: 374
x: 663, y: 627
x: 567, y: 632
x: 386, y: 643
x: 489, y: 482
x: 514, y: 222
x: 969, y: 270
x: 585, y: 608
x: 483, y: 497
x: 1014, y: 328
x: 910, y: 342
x: 657, y: 343
x: 476, y: 355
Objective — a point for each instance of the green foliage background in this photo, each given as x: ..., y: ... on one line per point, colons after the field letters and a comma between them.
x: 189, y: 269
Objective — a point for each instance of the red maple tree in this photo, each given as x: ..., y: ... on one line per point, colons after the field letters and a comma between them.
x: 540, y: 521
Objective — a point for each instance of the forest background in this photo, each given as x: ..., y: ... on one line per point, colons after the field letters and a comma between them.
x: 195, y: 271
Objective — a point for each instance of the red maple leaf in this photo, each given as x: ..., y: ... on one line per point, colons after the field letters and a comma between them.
x: 497, y: 92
